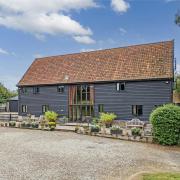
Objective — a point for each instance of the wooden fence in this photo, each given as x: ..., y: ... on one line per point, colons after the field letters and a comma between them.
x: 8, y: 116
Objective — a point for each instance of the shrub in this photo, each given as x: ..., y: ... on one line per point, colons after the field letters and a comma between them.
x: 95, y: 128
x: 35, y: 124
x: 95, y: 121
x: 27, y: 124
x: 166, y: 124
x: 136, y: 131
x: 52, y: 125
x: 23, y: 124
x: 116, y: 130
x: 51, y: 116
x: 107, y: 118
x: 12, y: 123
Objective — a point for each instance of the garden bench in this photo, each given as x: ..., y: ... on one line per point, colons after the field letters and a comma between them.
x: 135, y: 123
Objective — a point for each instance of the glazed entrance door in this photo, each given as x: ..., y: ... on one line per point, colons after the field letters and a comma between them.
x: 81, y: 102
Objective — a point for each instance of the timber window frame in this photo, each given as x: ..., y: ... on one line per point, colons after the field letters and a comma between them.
x: 137, y: 110
x: 100, y: 108
x: 60, y: 89
x: 24, y: 108
x: 120, y: 86
x: 45, y: 108
x: 36, y: 90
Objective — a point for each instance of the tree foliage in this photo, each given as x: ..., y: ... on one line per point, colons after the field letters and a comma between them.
x: 5, y: 94
x: 177, y: 84
x: 177, y: 19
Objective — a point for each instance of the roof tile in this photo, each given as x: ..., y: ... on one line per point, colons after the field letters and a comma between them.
x: 138, y: 62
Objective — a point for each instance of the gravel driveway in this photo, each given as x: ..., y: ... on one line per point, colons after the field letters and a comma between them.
x: 32, y: 154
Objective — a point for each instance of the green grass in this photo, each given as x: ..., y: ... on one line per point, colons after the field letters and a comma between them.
x: 162, y: 176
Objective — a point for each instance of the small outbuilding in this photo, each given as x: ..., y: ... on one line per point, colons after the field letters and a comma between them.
x: 12, y: 104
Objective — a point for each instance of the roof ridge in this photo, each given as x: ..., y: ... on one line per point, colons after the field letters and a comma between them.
x: 165, y: 41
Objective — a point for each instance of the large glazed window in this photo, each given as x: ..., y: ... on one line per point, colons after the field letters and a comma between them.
x: 81, y: 95
x: 81, y: 101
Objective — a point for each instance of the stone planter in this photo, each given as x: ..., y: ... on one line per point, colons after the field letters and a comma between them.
x: 17, y: 124
x: 116, y: 131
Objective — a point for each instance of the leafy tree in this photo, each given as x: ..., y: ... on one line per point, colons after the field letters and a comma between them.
x: 177, y: 83
x: 5, y: 94
x: 177, y: 19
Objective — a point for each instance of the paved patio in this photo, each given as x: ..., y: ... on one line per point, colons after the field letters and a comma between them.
x: 32, y: 154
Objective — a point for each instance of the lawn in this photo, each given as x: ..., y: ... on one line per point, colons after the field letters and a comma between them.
x: 162, y: 176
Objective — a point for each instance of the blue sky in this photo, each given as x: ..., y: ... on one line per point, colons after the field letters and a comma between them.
x: 32, y: 29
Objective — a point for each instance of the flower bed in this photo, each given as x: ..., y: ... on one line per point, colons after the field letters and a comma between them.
x: 134, y: 134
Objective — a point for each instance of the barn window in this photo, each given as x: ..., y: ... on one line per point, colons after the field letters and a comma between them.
x: 24, y: 108
x: 101, y: 108
x: 137, y: 110
x: 60, y: 89
x: 120, y: 86
x: 45, y: 108
x: 36, y: 90
x: 23, y: 90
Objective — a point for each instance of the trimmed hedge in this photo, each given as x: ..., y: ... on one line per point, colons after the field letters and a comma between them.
x: 166, y: 124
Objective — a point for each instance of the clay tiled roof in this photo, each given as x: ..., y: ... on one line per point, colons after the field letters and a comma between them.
x: 138, y: 62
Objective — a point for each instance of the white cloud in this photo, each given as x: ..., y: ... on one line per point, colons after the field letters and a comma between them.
x: 37, y: 56
x: 2, y: 51
x: 122, y: 31
x: 84, y: 39
x: 41, y: 37
x: 88, y: 50
x: 120, y: 6
x: 41, y: 18
x: 171, y: 0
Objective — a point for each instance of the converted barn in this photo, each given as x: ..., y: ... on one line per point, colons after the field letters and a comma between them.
x: 129, y: 81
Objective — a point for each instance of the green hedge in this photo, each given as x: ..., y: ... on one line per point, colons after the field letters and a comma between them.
x: 166, y: 124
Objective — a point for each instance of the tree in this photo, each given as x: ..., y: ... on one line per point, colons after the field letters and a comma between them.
x: 177, y: 19
x: 5, y: 94
x: 177, y: 83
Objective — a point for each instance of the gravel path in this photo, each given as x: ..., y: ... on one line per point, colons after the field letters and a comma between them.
x: 31, y: 154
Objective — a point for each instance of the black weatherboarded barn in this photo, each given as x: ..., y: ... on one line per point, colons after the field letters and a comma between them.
x: 129, y: 81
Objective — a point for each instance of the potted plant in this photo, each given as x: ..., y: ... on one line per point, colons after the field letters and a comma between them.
x: 136, y: 132
x: 52, y: 125
x: 95, y: 121
x: 35, y: 125
x: 95, y: 128
x: 23, y: 124
x: 27, y: 124
x: 12, y: 123
x: 116, y: 130
x: 51, y: 116
x: 107, y: 119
